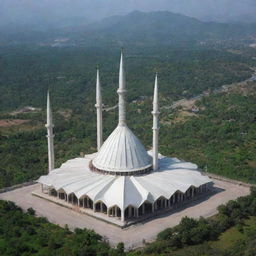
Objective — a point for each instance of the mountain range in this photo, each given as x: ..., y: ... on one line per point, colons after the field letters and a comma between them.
x: 136, y: 28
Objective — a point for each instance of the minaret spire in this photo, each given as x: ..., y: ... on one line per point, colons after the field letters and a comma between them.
x: 98, y: 106
x: 121, y: 92
x: 49, y: 125
x: 155, y: 127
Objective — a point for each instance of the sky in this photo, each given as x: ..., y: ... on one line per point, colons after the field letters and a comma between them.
x: 49, y: 11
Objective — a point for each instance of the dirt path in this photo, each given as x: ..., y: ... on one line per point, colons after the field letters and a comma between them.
x: 189, y: 103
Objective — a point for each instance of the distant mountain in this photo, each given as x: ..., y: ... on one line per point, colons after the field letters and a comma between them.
x: 165, y: 28
x: 140, y: 28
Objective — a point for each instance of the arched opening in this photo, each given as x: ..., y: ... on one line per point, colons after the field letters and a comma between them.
x: 160, y: 203
x: 172, y: 200
x: 53, y: 192
x: 114, y: 211
x: 146, y: 208
x: 197, y: 191
x: 179, y: 197
x: 100, y: 207
x: 62, y: 194
x: 72, y: 199
x: 130, y: 212
x: 86, y: 202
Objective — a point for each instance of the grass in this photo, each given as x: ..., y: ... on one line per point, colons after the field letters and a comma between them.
x: 227, y: 242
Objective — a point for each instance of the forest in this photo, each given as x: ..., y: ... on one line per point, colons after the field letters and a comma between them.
x: 217, y: 132
x: 69, y: 73
x: 24, y: 234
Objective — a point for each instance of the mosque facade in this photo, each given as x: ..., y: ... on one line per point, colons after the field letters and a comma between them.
x: 122, y: 180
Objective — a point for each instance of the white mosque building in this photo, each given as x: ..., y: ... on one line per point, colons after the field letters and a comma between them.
x: 122, y: 182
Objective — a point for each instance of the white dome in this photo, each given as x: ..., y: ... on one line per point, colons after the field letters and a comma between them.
x: 122, y: 152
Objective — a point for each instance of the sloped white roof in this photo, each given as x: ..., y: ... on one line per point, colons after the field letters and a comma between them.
x: 173, y: 175
x: 122, y: 152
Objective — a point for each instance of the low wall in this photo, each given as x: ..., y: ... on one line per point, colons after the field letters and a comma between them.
x: 236, y: 182
x: 25, y: 184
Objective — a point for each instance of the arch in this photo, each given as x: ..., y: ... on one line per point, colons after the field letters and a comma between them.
x: 100, y: 207
x: 53, y: 192
x: 161, y: 203
x: 72, y: 198
x: 146, y: 208
x: 190, y: 192
x: 62, y: 194
x: 114, y: 211
x: 130, y: 212
x: 175, y: 198
x: 86, y: 202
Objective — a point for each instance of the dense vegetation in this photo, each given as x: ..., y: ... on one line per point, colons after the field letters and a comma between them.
x: 23, y: 234
x: 194, y: 232
x: 221, y: 138
x: 70, y: 74
x: 191, y: 57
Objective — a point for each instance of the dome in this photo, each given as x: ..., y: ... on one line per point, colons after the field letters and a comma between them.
x: 122, y: 152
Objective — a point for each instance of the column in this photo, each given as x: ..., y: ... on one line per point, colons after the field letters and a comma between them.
x: 129, y: 212
x: 137, y: 212
x: 122, y: 215
x: 143, y: 209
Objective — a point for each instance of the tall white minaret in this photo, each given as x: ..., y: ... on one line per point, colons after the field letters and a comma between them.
x: 155, y: 127
x: 98, y: 106
x: 49, y: 125
x: 121, y: 92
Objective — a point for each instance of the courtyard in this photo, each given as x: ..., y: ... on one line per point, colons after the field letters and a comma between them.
x: 134, y: 235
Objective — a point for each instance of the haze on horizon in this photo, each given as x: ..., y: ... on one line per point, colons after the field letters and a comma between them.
x: 46, y: 12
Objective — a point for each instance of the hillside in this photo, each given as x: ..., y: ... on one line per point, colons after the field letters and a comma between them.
x: 134, y: 29
x: 165, y: 28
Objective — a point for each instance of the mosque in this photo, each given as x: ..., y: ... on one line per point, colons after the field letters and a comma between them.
x: 122, y: 181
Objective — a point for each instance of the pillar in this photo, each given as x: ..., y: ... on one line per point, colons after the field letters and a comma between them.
x: 98, y: 106
x: 137, y: 212
x: 129, y: 212
x: 49, y: 125
x: 155, y: 127
x: 122, y: 214
x: 143, y: 209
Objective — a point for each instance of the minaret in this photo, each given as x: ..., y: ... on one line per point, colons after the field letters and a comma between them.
x: 121, y: 92
x: 98, y: 106
x: 49, y: 125
x: 155, y: 127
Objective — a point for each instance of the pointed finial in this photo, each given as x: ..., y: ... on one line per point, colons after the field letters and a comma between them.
x: 98, y: 89
x: 155, y: 127
x: 155, y: 100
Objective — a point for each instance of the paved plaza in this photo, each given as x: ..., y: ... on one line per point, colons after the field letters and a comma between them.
x: 134, y: 235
